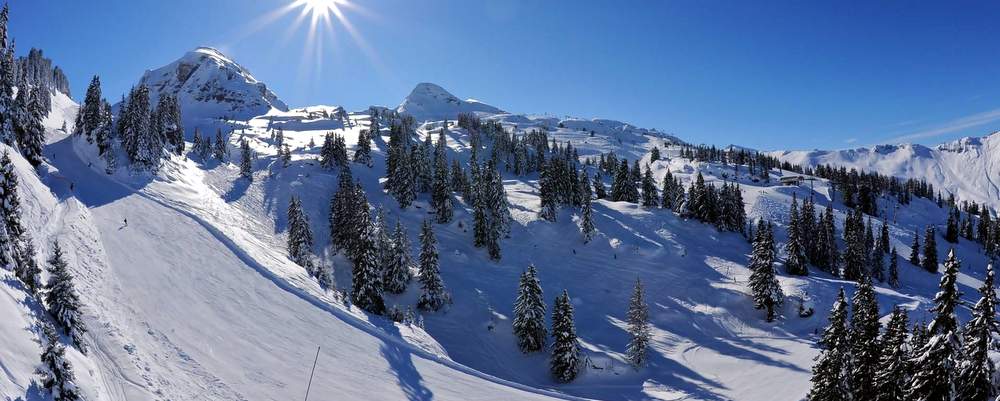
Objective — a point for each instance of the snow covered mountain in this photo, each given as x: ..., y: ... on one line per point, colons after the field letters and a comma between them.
x: 428, y: 101
x: 195, y: 297
x: 211, y: 86
x: 967, y: 167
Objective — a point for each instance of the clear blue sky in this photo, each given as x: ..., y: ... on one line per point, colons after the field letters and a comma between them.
x: 766, y: 74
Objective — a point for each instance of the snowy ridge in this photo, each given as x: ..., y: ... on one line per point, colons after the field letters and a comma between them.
x: 965, y: 167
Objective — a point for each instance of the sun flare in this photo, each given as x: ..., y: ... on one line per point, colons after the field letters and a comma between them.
x: 320, y: 8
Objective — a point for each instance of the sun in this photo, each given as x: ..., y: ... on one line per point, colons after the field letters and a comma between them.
x: 320, y: 9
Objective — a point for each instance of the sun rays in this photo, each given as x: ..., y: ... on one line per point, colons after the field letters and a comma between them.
x: 324, y: 23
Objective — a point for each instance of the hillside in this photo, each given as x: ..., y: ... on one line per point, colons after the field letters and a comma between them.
x: 964, y: 167
x: 194, y: 297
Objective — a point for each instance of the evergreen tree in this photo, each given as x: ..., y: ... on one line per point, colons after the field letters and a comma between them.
x: 422, y: 165
x: 583, y: 187
x: 878, y: 263
x: 599, y: 191
x: 795, y: 263
x: 197, y: 142
x: 363, y: 153
x: 869, y: 246
x: 459, y: 182
x: 976, y: 373
x: 348, y: 215
x: 934, y: 376
x: 829, y: 255
x: 808, y: 229
x: 145, y: 147
x: 930, y: 262
x: 405, y: 189
x: 884, y: 235
x: 383, y: 246
x: 855, y: 253
x: 667, y: 202
x: 547, y: 194
x: 8, y: 80
x: 246, y: 160
x: 219, y: 151
x: 564, y: 363
x: 366, y: 277
x: 433, y: 294
x: 56, y: 371
x: 324, y: 276
x: 623, y: 188
x: 62, y: 300
x: 951, y: 229
x: 638, y: 328
x: 27, y: 269
x: 864, y: 330
x: 28, y: 127
x: 493, y: 198
x: 300, y: 238
x: 830, y: 373
x: 703, y: 205
x: 396, y: 275
x: 286, y: 156
x: 90, y: 110
x: 650, y: 196
x: 8, y: 255
x: 529, y: 313
x: 168, y: 125
x: 10, y: 202
x: 279, y: 138
x: 203, y: 148
x: 105, y: 141
x: 441, y: 203
x: 697, y: 197
x: 915, y: 250
x: 893, y: 269
x: 763, y: 280
x: 891, y: 374
x: 587, y: 220
x: 328, y: 153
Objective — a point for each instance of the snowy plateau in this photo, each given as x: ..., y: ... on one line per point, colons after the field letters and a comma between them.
x: 189, y: 293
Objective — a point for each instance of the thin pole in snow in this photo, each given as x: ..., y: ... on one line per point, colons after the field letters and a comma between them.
x: 308, y: 386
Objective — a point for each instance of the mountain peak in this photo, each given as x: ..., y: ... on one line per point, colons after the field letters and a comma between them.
x: 209, y: 85
x: 430, y: 89
x: 428, y: 101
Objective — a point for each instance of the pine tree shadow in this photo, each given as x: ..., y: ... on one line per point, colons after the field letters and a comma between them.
x: 407, y: 376
x: 34, y: 392
x: 237, y: 190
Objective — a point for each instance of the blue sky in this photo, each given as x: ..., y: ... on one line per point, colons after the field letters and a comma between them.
x: 765, y: 74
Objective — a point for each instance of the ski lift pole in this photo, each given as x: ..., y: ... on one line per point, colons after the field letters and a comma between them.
x: 308, y: 386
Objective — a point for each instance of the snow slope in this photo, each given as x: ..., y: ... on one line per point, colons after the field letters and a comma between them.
x: 966, y: 167
x: 194, y: 297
